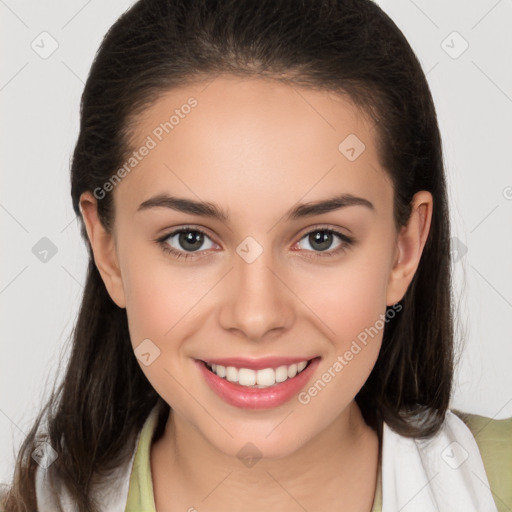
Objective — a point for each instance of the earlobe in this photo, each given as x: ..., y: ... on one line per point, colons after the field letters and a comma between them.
x: 103, y: 247
x: 409, y: 246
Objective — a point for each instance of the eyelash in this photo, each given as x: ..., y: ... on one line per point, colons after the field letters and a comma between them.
x: 346, y: 242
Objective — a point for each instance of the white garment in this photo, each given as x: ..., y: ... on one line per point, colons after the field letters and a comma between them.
x: 442, y: 474
x: 113, y: 499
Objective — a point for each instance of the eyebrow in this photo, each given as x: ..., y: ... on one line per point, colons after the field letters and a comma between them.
x: 206, y: 209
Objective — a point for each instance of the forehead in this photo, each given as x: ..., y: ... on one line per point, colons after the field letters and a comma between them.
x: 231, y: 140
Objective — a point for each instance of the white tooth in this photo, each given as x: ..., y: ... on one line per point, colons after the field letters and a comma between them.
x: 246, y: 377
x: 292, y: 370
x: 214, y: 367
x: 220, y: 370
x: 232, y: 374
x: 301, y: 366
x: 281, y: 373
x: 266, y: 377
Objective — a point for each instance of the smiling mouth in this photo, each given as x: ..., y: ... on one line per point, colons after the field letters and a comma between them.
x: 262, y: 378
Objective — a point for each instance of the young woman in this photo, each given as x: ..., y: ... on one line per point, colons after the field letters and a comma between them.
x: 267, y: 321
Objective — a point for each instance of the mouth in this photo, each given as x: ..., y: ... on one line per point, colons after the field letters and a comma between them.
x: 267, y: 384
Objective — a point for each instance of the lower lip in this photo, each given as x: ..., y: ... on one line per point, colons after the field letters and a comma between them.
x: 257, y: 398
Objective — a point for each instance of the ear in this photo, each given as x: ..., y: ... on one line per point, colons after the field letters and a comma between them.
x: 104, y: 249
x: 410, y: 243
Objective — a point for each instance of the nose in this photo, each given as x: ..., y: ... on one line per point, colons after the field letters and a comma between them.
x: 256, y: 300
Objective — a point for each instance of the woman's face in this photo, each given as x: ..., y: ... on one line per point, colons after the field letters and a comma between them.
x: 289, y: 252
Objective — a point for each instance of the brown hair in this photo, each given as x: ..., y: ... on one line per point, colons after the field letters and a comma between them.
x: 349, y: 47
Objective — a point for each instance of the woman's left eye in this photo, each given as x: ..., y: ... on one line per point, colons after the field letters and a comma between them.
x: 320, y: 241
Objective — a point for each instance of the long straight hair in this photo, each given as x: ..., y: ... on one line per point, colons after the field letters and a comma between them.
x: 350, y: 47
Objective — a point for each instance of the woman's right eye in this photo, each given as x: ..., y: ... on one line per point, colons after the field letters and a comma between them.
x: 180, y: 241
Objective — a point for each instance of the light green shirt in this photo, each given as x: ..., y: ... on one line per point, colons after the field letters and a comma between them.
x: 494, y: 439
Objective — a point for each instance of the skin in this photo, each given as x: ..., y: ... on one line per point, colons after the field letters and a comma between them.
x: 256, y: 148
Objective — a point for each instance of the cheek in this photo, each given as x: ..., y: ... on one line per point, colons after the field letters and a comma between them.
x: 350, y: 309
x: 353, y: 310
x: 158, y: 296
x: 161, y: 304
x: 150, y: 309
x: 348, y: 298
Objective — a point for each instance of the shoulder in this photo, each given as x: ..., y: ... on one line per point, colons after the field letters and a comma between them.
x: 494, y: 440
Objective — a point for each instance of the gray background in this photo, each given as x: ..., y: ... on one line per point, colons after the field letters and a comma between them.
x: 40, y: 93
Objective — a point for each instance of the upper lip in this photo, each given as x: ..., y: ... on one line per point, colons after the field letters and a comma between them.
x: 257, y: 364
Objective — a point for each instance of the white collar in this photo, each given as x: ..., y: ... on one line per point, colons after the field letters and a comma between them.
x: 442, y: 474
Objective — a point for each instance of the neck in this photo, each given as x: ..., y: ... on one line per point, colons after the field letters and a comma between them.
x: 337, y: 466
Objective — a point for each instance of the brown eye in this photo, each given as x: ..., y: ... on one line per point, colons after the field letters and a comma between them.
x: 322, y: 240
x: 187, y: 240
x: 190, y: 240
